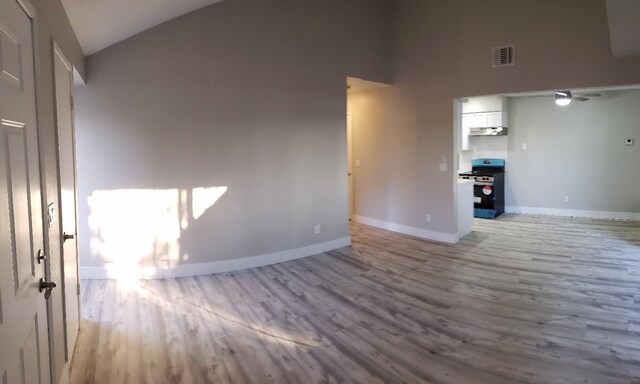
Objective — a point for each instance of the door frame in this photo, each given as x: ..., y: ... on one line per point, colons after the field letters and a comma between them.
x: 30, y: 10
x: 350, y: 172
x: 57, y: 51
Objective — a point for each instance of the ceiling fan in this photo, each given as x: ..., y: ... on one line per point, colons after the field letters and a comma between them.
x: 566, y: 97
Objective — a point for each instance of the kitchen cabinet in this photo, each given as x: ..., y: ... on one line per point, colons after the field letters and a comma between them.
x: 484, y: 104
x: 480, y: 120
x: 485, y: 119
x: 496, y: 119
x: 464, y: 137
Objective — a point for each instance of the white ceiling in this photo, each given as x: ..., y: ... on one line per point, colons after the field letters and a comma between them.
x: 624, y: 27
x: 101, y: 23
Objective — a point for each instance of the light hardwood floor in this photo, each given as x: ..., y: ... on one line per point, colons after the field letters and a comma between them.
x: 522, y: 299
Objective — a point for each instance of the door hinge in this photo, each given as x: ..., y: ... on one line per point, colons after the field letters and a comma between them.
x: 71, y: 102
x: 78, y: 286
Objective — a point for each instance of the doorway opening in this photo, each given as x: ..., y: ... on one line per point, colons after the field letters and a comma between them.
x: 356, y: 127
x: 63, y: 232
x: 554, y: 148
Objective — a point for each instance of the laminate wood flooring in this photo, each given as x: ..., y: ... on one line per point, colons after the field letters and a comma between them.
x: 522, y: 299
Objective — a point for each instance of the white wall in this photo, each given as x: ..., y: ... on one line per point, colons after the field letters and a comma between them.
x: 495, y: 147
x: 245, y: 98
x: 577, y: 151
x: 442, y: 51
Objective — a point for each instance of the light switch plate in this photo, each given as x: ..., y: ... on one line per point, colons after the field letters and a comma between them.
x: 51, y: 208
x: 443, y: 167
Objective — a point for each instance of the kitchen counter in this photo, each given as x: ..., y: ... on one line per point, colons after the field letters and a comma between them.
x: 465, y: 207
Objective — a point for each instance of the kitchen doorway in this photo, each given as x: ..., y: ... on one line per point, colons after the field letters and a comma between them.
x: 555, y: 143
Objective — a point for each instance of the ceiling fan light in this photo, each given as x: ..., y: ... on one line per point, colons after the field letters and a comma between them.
x: 563, y: 98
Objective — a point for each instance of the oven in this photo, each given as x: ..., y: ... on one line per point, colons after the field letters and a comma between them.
x: 488, y: 187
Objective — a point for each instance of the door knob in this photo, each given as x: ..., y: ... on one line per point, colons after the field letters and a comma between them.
x: 67, y: 236
x: 41, y: 256
x: 47, y: 287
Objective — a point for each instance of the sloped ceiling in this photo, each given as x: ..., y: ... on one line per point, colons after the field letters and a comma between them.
x: 101, y: 23
x: 624, y: 27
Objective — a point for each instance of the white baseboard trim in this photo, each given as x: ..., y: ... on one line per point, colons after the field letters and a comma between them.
x: 574, y: 213
x: 442, y: 237
x: 183, y: 270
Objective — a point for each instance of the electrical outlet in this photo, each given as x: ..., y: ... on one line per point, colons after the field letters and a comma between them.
x: 443, y: 164
x: 566, y: 199
x: 428, y: 218
x: 524, y: 146
x: 316, y: 229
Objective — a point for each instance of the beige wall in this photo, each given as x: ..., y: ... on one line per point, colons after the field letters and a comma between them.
x: 246, y: 95
x: 442, y: 51
x: 385, y: 181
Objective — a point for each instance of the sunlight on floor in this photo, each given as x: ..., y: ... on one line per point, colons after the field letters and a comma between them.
x: 212, y: 312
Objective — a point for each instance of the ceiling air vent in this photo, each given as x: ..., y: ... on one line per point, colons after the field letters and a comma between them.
x: 503, y: 56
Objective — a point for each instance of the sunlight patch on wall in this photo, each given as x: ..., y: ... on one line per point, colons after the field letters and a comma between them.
x: 135, y: 232
x: 203, y: 198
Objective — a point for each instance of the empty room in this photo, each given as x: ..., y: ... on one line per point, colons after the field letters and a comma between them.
x: 320, y: 191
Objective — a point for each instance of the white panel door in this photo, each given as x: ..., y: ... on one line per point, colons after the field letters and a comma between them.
x: 24, y: 350
x: 67, y: 167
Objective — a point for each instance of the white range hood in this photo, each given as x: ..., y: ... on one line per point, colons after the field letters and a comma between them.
x: 491, y: 123
x: 483, y: 116
x: 488, y: 131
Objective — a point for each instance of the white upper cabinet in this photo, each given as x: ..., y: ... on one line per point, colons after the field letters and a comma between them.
x: 485, y: 104
x: 484, y: 119
x: 482, y: 112
x: 496, y: 119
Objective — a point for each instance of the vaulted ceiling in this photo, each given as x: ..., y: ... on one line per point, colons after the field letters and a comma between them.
x: 101, y: 23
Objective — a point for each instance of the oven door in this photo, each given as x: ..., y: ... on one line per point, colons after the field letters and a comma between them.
x: 484, y: 196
